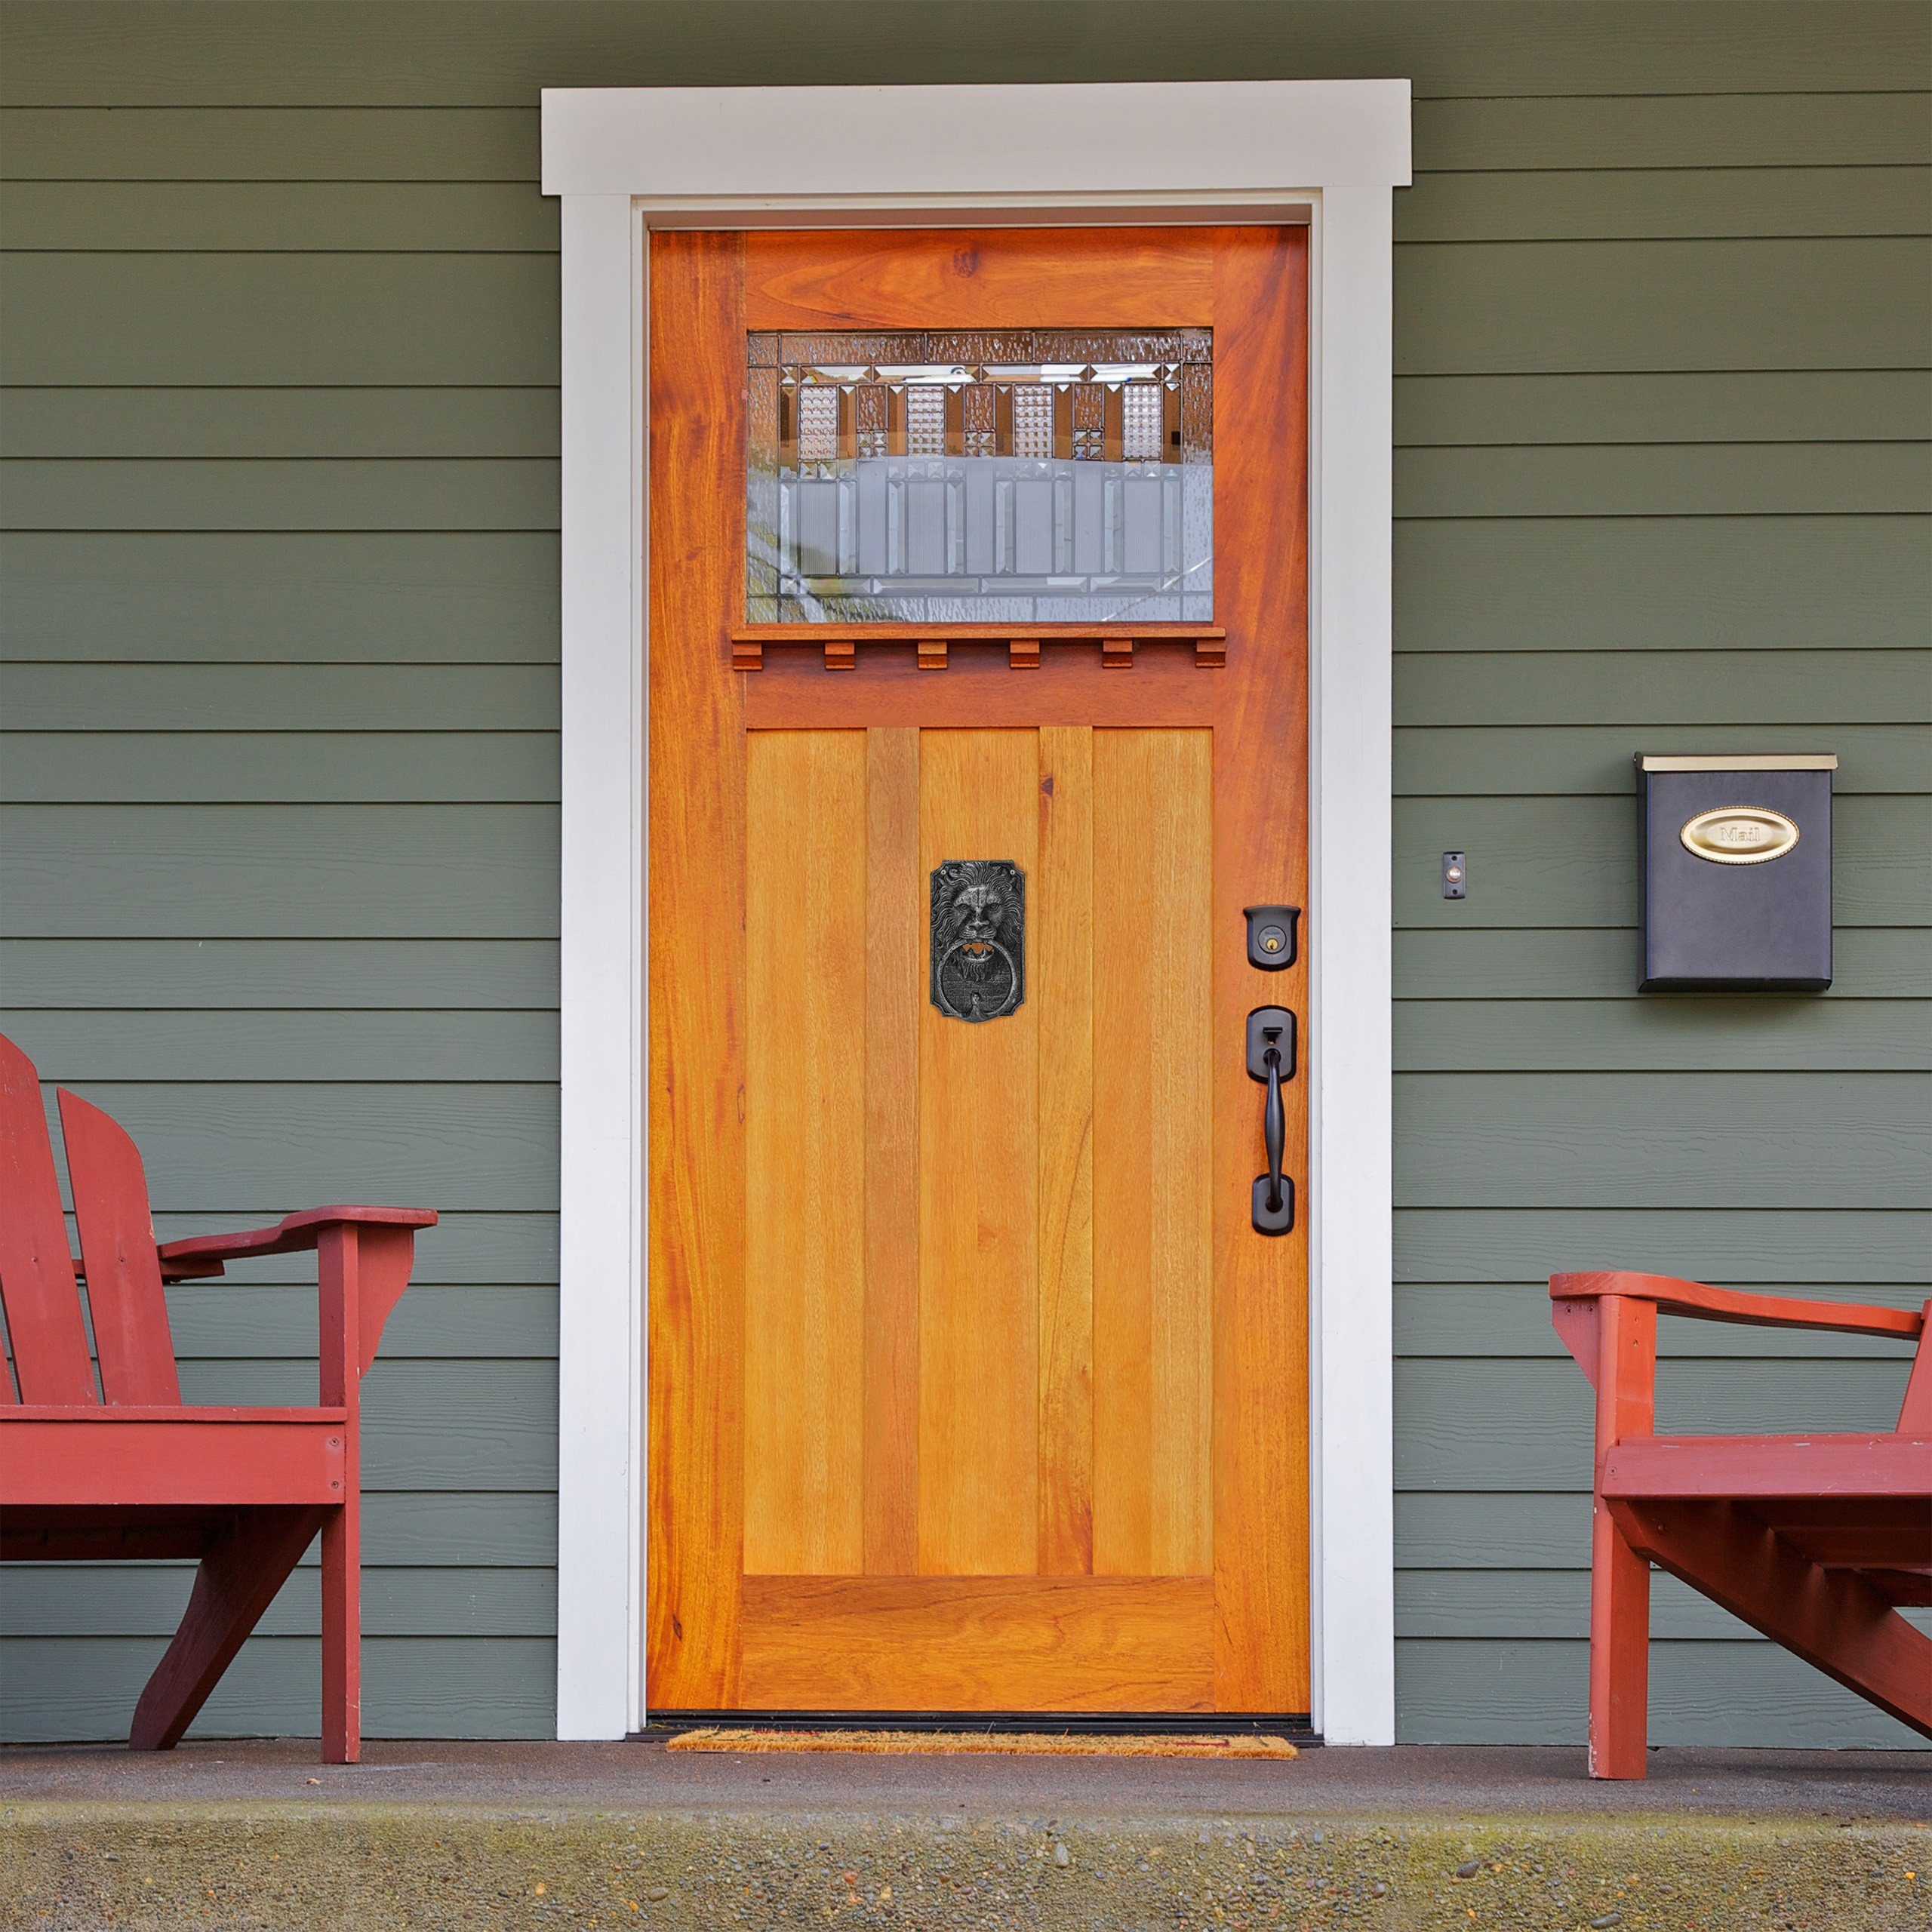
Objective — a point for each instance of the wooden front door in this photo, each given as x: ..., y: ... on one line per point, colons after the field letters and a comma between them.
x: 973, y: 1385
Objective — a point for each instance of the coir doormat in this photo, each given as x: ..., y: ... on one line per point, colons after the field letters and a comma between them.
x: 978, y: 1743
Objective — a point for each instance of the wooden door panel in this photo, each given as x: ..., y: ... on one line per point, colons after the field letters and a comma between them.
x: 955, y: 279
x: 1062, y: 939
x: 895, y: 991
x: 971, y: 1386
x: 978, y: 1643
x: 805, y: 1145
x: 1153, y: 1289
x: 978, y: 1168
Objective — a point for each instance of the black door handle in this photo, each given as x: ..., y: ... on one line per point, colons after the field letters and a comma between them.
x: 1271, y: 1059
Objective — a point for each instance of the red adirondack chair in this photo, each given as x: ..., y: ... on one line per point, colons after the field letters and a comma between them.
x: 1814, y: 1539
x: 127, y: 1468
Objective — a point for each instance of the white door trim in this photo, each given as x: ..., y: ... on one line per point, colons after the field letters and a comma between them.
x: 627, y: 159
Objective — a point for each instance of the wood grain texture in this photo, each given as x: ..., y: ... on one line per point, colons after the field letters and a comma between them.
x: 1153, y: 1291
x: 885, y: 687
x: 1260, y: 857
x: 1061, y: 923
x: 978, y: 1195
x: 985, y: 1643
x: 980, y: 279
x: 895, y: 918
x: 805, y: 1117
x: 695, y: 1524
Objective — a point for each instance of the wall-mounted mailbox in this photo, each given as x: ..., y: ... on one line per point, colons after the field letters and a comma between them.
x: 1737, y: 871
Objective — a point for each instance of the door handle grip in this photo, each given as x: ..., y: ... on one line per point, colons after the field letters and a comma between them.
x: 1271, y: 1060
x: 1274, y: 1130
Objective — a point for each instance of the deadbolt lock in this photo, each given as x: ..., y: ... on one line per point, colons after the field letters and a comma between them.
x: 1271, y: 937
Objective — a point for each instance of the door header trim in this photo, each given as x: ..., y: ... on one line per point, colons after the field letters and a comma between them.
x: 629, y: 159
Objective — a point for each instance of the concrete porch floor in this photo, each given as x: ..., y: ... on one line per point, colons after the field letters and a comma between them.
x: 259, y: 1835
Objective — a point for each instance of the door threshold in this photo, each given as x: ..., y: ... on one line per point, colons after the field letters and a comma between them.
x: 1294, y: 1725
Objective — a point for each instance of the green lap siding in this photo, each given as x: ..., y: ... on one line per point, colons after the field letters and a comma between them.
x: 279, y: 763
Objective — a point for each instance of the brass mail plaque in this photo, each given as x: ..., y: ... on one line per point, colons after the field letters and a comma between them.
x: 1738, y: 835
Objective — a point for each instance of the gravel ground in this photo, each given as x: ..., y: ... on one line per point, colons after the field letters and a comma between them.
x: 292, y: 1866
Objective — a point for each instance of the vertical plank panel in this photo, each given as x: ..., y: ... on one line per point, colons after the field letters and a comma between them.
x: 1261, y: 1552
x: 895, y: 925
x: 1154, y: 1293
x: 696, y: 1331
x: 979, y: 1429
x: 1062, y: 912
x: 804, y: 1158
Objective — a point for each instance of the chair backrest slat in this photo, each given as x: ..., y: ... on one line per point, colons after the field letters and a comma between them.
x: 124, y: 1293
x: 44, y: 1325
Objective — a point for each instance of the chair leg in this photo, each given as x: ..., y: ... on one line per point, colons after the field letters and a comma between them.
x: 1619, y: 1651
x: 342, y: 1636
x: 241, y: 1571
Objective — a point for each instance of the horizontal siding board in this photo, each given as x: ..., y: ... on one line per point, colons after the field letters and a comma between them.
x: 299, y: 144
x: 427, y: 1425
x: 306, y: 319
x: 1705, y: 406
x: 1867, y: 963
x: 312, y: 597
x: 1459, y: 1691
x: 468, y: 1246
x: 1499, y: 1321
x: 358, y: 144
x: 1663, y: 1036
x: 214, y: 1148
x: 444, y: 52
x: 1663, y: 584
x: 232, y: 494
x: 1516, y: 1603
x: 105, y: 698
x: 1868, y: 129
x: 1437, y: 1529
x: 1847, y: 1248
x: 1503, y: 760
x: 1803, y: 691
x: 1573, y: 862
x: 440, y: 423
x: 1517, y: 307
x: 284, y: 767
x: 1662, y: 1140
x: 308, y: 217
x: 217, y: 1322
x: 1658, y: 479
x: 1522, y: 1425
x: 356, y: 871
x: 1644, y: 204
x: 147, y: 1599
x: 425, y: 1528
x: 288, y: 976
x: 312, y: 1047
x: 85, y: 1688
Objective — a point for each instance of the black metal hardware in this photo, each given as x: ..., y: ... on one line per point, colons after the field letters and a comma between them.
x: 1271, y: 1060
x: 1271, y: 936
x: 1455, y: 875
x: 1270, y: 1028
x: 979, y: 938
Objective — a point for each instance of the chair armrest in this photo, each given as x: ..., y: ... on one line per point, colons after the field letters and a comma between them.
x: 202, y: 1255
x: 363, y: 1260
x: 1672, y: 1297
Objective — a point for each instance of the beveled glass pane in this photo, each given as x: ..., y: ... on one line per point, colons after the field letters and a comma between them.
x: 1016, y: 477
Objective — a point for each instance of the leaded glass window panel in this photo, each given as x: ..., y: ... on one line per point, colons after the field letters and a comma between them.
x: 1021, y: 477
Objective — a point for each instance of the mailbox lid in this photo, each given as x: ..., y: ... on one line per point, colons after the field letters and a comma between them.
x: 1733, y: 920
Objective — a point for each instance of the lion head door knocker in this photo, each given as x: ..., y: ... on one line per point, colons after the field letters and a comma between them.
x: 979, y: 938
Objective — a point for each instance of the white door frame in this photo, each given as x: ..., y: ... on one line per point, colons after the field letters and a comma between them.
x: 626, y: 160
